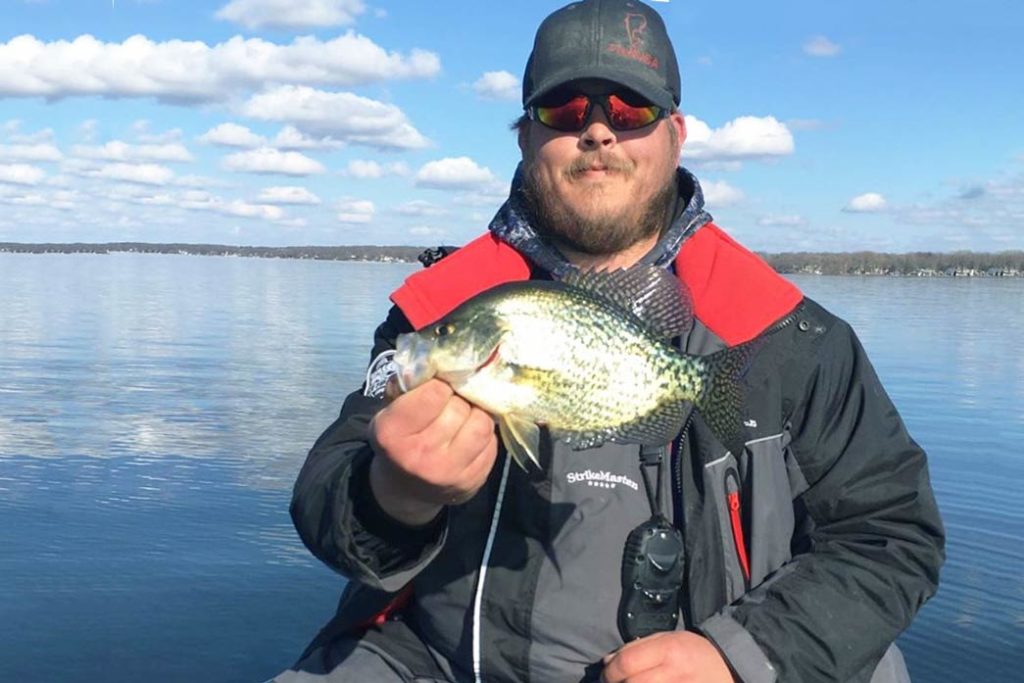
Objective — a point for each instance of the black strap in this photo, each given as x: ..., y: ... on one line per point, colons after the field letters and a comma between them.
x: 653, y: 456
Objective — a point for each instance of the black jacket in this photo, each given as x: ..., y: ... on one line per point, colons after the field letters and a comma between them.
x: 832, y: 543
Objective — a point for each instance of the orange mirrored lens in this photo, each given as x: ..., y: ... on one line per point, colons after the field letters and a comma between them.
x: 572, y: 115
x: 624, y: 116
x: 569, y: 116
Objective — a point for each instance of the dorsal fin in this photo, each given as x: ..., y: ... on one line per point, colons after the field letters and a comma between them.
x: 651, y: 293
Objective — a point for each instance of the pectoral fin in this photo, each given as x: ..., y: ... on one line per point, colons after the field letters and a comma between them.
x: 521, y: 438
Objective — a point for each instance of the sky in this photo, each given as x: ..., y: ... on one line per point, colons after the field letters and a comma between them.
x: 812, y: 126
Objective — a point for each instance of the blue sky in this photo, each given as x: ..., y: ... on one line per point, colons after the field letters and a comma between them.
x: 890, y: 126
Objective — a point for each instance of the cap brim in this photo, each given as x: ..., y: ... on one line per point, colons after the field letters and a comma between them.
x: 652, y: 92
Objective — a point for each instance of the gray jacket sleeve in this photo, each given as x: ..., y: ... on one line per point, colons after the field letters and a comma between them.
x: 332, y: 507
x: 871, y: 545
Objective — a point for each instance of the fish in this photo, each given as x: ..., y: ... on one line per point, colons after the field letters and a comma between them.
x: 588, y: 357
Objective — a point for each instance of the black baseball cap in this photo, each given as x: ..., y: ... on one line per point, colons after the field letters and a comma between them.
x: 623, y: 41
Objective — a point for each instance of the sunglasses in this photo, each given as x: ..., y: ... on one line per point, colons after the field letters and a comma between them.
x: 572, y: 114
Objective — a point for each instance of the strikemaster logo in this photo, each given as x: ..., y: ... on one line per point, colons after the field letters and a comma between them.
x: 602, y: 479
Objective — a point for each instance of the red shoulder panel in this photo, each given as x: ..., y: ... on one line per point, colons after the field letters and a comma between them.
x: 485, y: 262
x: 735, y: 293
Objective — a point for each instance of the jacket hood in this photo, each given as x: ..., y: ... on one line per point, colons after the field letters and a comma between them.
x: 512, y: 226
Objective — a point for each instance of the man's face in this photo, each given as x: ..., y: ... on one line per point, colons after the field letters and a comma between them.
x: 599, y: 190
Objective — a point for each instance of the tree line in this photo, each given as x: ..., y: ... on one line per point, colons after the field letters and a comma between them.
x: 964, y: 263
x: 956, y: 263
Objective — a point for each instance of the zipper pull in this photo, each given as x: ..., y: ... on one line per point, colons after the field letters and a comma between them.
x: 732, y: 496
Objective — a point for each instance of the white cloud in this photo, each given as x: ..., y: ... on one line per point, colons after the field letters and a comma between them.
x: 21, y: 174
x: 721, y: 193
x: 355, y: 211
x: 269, y: 160
x: 427, y: 231
x: 198, y: 200
x: 198, y: 181
x: 820, y: 46
x: 339, y: 115
x: 291, y: 14
x: 288, y: 195
x: 142, y: 133
x: 32, y: 152
x: 117, y: 150
x: 498, y: 85
x: 869, y: 202
x: 454, y: 173
x: 291, y: 137
x: 44, y: 136
x: 232, y: 135
x: 62, y: 200
x: 745, y: 137
x: 418, y: 207
x: 178, y: 70
x: 147, y: 174
x: 88, y: 129
x: 361, y: 168
x: 782, y: 221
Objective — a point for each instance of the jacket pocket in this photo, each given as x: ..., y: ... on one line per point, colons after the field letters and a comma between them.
x: 734, y: 502
x: 723, y: 484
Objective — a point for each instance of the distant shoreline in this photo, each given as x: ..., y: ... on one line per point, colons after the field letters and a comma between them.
x: 914, y: 264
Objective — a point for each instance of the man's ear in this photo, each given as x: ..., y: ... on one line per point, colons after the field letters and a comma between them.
x: 677, y: 119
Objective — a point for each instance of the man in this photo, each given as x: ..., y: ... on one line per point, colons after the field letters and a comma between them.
x: 804, y: 556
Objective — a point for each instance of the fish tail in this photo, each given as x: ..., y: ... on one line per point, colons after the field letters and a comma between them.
x: 721, y: 402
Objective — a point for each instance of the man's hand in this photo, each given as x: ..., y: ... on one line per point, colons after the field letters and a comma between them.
x: 432, y: 449
x: 669, y: 657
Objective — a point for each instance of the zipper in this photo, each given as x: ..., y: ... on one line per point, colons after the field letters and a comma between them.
x: 732, y: 498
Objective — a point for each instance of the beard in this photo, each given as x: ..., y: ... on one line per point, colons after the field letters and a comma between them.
x: 597, y: 233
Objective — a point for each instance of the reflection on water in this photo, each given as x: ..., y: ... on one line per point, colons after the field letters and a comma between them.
x: 154, y: 411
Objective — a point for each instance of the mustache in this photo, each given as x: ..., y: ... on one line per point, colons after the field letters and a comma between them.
x: 587, y: 160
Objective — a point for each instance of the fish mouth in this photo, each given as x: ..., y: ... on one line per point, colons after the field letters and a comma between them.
x: 412, y: 361
x: 490, y: 359
x: 415, y: 364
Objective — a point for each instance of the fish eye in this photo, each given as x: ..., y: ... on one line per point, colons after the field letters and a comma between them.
x: 443, y: 330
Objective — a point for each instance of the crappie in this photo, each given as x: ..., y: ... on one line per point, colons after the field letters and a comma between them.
x: 587, y: 357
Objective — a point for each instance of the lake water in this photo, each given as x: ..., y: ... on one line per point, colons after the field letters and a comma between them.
x: 154, y: 411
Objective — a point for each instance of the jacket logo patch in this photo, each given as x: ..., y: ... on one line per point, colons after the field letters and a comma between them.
x: 378, y: 374
x: 602, y: 479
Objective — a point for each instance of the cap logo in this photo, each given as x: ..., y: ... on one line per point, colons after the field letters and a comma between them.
x: 636, y: 30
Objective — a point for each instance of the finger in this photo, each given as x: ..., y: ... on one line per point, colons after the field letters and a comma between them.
x: 634, y: 658
x: 477, y: 471
x: 658, y: 675
x: 472, y: 436
x: 418, y: 408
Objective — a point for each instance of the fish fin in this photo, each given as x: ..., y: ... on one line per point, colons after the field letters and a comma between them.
x: 521, y: 438
x: 721, y: 402
x: 660, y: 427
x: 654, y: 295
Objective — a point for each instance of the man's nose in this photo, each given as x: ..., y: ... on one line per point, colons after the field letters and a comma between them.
x: 597, y: 133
